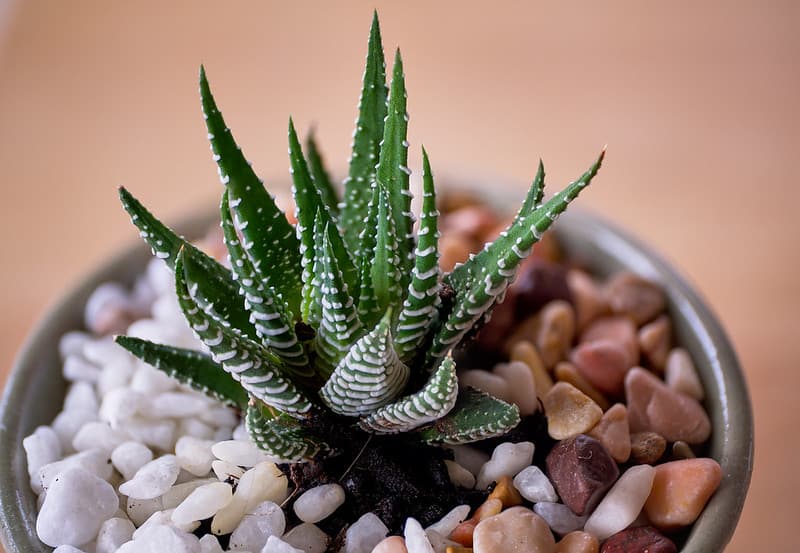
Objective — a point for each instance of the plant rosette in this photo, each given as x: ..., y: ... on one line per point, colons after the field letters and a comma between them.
x: 333, y: 379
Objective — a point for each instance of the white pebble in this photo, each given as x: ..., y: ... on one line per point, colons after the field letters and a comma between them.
x: 364, y: 534
x: 140, y: 510
x: 265, y: 520
x: 559, y: 517
x: 194, y: 455
x: 113, y: 533
x: 240, y: 433
x: 319, y: 503
x: 469, y: 457
x: 220, y: 416
x: 129, y: 457
x: 485, y: 381
x: 507, y: 460
x: 277, y: 545
x: 67, y: 423
x: 203, y: 503
x: 153, y: 479
x: 416, y: 539
x: 449, y: 521
x: 521, y: 386
x: 210, y: 544
x: 76, y: 368
x: 177, y: 493
x: 109, y: 295
x: 623, y: 502
x: 159, y: 434
x: 105, y: 351
x: 67, y: 549
x: 195, y: 428
x: 264, y: 482
x: 98, y: 435
x: 176, y: 405
x: 150, y: 381
x: 533, y: 485
x: 94, y: 461
x: 681, y: 374
x: 161, y: 538
x: 76, y: 505
x: 120, y: 405
x: 81, y: 395
x: 41, y: 448
x: 114, y: 376
x: 307, y: 537
x: 243, y: 454
x: 459, y: 476
x: 72, y: 343
x: 225, y: 470
x: 164, y: 518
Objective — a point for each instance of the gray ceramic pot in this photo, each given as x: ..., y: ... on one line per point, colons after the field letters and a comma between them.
x: 35, y: 390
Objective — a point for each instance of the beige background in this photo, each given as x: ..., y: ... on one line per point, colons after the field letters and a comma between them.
x: 698, y: 105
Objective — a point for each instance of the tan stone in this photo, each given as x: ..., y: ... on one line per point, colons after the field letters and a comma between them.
x: 587, y: 297
x: 569, y: 411
x: 631, y: 295
x: 506, y: 493
x: 526, y: 352
x: 613, y: 432
x: 515, y: 530
x: 463, y: 533
x: 392, y: 544
x: 525, y: 330
x: 578, y: 542
x: 647, y: 447
x: 654, y: 340
x: 567, y: 372
x: 681, y: 490
x: 455, y: 248
x: 681, y: 374
x: 617, y: 329
x: 556, y: 332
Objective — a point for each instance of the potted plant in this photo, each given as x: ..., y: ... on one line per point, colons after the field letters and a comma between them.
x: 337, y: 339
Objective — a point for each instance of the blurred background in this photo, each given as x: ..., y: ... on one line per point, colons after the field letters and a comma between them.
x: 698, y: 104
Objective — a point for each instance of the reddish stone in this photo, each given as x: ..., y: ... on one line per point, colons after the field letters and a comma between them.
x: 638, y: 298
x: 539, y: 282
x: 637, y: 540
x: 604, y: 363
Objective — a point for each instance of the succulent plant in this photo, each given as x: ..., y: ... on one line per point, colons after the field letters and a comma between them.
x: 346, y: 316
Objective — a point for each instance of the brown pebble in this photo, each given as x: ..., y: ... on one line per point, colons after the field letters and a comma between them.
x: 587, y: 297
x: 652, y: 406
x: 539, y: 282
x: 644, y: 539
x: 515, y: 530
x: 681, y: 490
x: 567, y: 372
x: 526, y: 352
x: 474, y: 221
x: 458, y: 549
x: 654, y: 341
x: 578, y: 542
x: 682, y: 450
x: 503, y: 322
x: 454, y: 249
x: 604, y: 364
x: 640, y: 299
x: 556, y: 332
x: 647, y: 447
x: 613, y: 432
x: 506, y: 493
x: 581, y: 471
x: 463, y: 532
x: 524, y: 331
x: 569, y: 411
x: 619, y: 329
x: 453, y: 199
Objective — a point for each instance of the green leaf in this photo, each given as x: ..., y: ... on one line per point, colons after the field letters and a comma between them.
x: 259, y: 371
x: 482, y: 282
x: 339, y: 326
x: 393, y: 172
x: 320, y: 176
x: 420, y: 308
x: 269, y: 239
x: 476, y: 416
x: 268, y: 312
x: 281, y: 436
x: 309, y: 203
x: 312, y: 288
x: 220, y: 294
x: 369, y: 376
x: 368, y: 309
x: 431, y: 403
x: 366, y: 140
x: 188, y: 367
x: 386, y: 269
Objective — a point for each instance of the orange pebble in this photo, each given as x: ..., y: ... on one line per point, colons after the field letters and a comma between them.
x: 463, y: 532
x: 578, y: 542
x: 680, y: 491
x: 506, y: 493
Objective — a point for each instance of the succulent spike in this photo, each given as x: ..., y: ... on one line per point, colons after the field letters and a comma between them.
x: 257, y: 369
x: 312, y: 289
x: 386, y: 264
x: 369, y: 376
x: 222, y: 299
x: 485, y: 277
x: 366, y: 140
x: 269, y: 239
x: 368, y: 310
x: 476, y: 416
x: 188, y: 367
x: 281, y: 436
x: 308, y: 202
x: 268, y: 312
x: 393, y: 172
x: 320, y: 176
x: 432, y: 402
x: 420, y: 308
x: 339, y: 326
x: 534, y: 198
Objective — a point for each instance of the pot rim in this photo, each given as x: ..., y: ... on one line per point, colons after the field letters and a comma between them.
x: 581, y: 233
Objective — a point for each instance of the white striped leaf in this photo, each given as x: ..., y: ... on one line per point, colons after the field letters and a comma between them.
x: 281, y: 436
